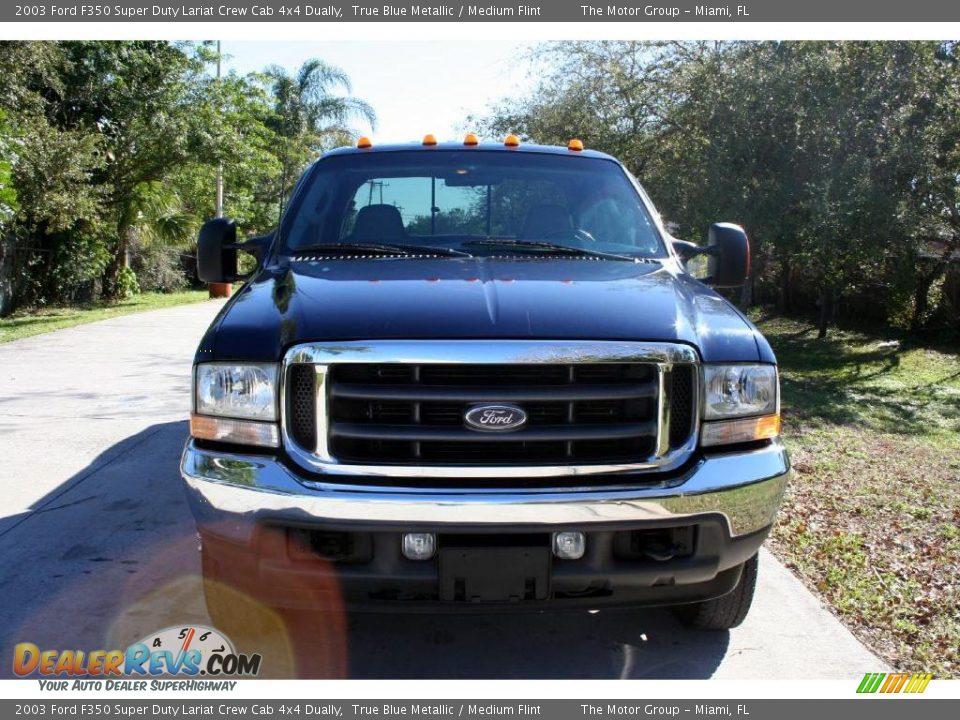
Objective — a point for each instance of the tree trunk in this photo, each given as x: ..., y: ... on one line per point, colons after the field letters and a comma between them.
x: 785, y: 273
x: 746, y: 294
x: 826, y: 311
x: 6, y: 274
x: 120, y: 260
x: 283, y: 186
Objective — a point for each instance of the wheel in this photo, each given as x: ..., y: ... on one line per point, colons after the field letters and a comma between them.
x: 727, y: 611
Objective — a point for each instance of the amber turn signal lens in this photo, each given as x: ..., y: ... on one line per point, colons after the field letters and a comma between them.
x: 243, y: 432
x: 364, y: 142
x: 429, y: 139
x: 730, y: 432
x: 471, y: 139
x: 511, y: 141
x: 575, y: 145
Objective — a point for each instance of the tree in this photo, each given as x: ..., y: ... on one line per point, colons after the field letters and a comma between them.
x: 309, y: 116
x: 233, y: 116
x: 840, y: 158
x: 8, y: 155
x: 52, y: 167
x: 135, y: 97
x: 929, y: 211
x: 108, y: 147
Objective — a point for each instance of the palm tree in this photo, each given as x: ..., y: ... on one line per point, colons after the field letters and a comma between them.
x: 310, y: 115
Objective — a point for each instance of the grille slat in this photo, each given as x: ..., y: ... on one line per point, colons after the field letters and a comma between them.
x: 422, y: 393
x: 545, y: 433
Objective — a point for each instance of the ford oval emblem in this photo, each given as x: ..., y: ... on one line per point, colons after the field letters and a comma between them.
x: 495, y: 418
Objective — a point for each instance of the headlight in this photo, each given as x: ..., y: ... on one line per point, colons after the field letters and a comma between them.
x: 739, y: 391
x: 741, y: 404
x: 236, y: 403
x: 237, y: 391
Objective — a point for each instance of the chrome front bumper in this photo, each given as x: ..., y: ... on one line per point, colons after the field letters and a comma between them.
x: 230, y: 493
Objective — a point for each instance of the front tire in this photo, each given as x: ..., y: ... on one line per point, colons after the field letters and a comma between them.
x: 725, y: 612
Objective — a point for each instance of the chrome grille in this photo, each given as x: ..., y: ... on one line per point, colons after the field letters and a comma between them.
x: 386, y: 414
x: 409, y: 415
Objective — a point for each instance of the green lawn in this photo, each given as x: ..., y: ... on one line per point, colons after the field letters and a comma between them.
x: 27, y: 323
x: 872, y: 519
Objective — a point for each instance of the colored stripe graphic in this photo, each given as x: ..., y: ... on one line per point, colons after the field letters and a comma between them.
x: 901, y: 682
x: 866, y: 685
x: 912, y: 683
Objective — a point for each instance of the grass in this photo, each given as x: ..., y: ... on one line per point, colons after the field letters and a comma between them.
x: 26, y: 323
x: 871, y: 520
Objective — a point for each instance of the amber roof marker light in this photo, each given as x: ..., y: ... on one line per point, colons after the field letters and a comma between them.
x: 364, y: 142
x: 511, y: 141
x: 429, y: 140
x: 575, y: 145
x: 471, y: 140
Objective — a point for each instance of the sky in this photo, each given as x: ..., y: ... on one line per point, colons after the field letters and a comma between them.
x: 414, y: 87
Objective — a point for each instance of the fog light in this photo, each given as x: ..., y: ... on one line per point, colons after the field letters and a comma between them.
x: 419, y: 546
x: 569, y: 545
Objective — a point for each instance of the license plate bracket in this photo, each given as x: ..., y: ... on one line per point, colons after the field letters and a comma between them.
x: 494, y: 574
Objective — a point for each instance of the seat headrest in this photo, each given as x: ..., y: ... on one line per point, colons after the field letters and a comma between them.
x: 378, y: 223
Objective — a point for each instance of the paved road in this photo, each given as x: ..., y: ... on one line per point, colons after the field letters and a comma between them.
x: 97, y: 547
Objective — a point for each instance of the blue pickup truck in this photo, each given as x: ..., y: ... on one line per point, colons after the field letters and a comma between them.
x: 480, y: 376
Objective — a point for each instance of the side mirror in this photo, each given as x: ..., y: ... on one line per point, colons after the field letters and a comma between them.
x: 217, y: 251
x: 729, y: 255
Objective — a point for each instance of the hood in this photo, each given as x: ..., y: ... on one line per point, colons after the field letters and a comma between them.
x: 478, y: 298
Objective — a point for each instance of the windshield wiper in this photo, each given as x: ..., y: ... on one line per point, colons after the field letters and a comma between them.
x: 548, y: 248
x: 379, y: 249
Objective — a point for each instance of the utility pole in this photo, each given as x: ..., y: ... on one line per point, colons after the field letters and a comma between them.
x: 219, y: 164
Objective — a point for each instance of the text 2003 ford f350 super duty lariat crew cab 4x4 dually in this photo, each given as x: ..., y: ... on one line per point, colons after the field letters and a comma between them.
x: 479, y: 376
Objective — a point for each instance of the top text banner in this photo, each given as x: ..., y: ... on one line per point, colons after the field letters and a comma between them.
x: 552, y: 11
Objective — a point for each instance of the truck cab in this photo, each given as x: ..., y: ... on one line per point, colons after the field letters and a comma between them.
x: 479, y: 376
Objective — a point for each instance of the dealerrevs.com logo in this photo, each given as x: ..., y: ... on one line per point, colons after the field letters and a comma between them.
x: 191, y: 651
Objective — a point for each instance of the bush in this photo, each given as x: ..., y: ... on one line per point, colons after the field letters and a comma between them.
x: 68, y: 270
x: 159, y: 269
x: 127, y: 284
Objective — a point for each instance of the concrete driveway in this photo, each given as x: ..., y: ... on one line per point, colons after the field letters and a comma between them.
x: 97, y: 546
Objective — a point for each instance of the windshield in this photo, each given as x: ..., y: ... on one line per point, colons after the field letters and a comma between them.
x: 471, y: 200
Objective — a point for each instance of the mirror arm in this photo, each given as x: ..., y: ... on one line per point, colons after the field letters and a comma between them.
x: 256, y: 246
x: 687, y: 249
